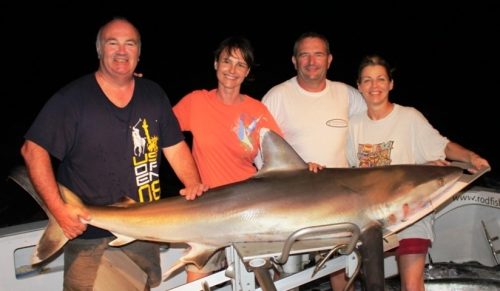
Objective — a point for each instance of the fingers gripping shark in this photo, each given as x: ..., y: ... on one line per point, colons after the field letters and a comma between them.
x: 282, y: 197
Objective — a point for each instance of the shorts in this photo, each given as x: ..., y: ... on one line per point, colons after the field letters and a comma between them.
x: 413, y: 246
x: 422, y: 229
x: 216, y: 262
x: 83, y: 256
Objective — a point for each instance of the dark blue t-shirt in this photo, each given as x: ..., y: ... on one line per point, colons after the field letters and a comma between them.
x: 107, y: 152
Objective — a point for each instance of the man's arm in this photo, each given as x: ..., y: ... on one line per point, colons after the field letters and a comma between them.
x: 357, y: 103
x: 182, y: 162
x: 39, y: 167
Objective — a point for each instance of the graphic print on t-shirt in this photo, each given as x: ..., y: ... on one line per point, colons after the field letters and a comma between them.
x: 145, y: 163
x: 373, y: 155
x: 244, y: 128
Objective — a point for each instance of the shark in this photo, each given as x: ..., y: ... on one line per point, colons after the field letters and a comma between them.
x: 282, y: 197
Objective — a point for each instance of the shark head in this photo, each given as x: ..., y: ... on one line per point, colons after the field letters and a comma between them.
x: 416, y: 192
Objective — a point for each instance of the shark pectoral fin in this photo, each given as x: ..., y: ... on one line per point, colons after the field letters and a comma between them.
x: 177, y: 265
x: 198, y: 255
x: 52, y: 240
x: 121, y: 240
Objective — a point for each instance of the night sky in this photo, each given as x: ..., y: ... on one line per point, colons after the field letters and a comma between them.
x: 446, y: 59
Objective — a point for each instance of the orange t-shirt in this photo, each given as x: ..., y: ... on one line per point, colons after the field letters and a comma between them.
x: 225, y: 137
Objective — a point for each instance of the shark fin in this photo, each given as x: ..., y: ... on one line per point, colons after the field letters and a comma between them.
x: 198, y: 255
x: 277, y: 154
x: 70, y: 197
x: 121, y: 240
x: 177, y: 265
x: 125, y: 201
x: 53, y: 238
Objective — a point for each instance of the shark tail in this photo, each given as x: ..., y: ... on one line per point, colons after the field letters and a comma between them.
x: 53, y: 238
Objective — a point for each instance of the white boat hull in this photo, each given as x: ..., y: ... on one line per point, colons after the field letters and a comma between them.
x: 459, y: 233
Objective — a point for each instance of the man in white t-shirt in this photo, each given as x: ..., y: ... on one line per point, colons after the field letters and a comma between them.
x: 312, y: 111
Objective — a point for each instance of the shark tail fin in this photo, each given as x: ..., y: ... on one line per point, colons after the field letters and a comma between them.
x: 53, y: 238
x: 70, y: 197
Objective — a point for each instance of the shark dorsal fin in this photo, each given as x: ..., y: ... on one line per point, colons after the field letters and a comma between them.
x: 277, y: 154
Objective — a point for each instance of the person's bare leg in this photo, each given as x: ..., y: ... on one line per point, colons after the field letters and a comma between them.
x: 192, y: 276
x: 411, y: 272
x: 338, y: 281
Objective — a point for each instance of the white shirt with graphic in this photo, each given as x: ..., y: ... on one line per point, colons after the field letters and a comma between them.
x: 402, y: 137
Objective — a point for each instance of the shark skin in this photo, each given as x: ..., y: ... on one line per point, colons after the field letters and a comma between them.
x: 282, y: 197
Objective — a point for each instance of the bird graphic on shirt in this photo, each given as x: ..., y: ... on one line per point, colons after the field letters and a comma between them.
x: 245, y: 132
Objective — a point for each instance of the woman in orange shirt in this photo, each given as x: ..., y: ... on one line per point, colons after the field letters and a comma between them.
x: 225, y: 125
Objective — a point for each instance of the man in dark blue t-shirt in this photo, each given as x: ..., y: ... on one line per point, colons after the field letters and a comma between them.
x: 108, y: 130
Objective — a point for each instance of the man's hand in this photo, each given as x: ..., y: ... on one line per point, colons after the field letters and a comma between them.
x: 72, y: 220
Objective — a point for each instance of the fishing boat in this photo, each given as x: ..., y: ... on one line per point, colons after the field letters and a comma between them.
x: 466, y: 230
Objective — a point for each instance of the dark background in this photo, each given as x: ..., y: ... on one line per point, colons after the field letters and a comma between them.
x: 446, y: 60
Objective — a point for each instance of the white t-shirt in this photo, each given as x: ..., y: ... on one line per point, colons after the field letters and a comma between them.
x: 402, y: 137
x: 315, y: 124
